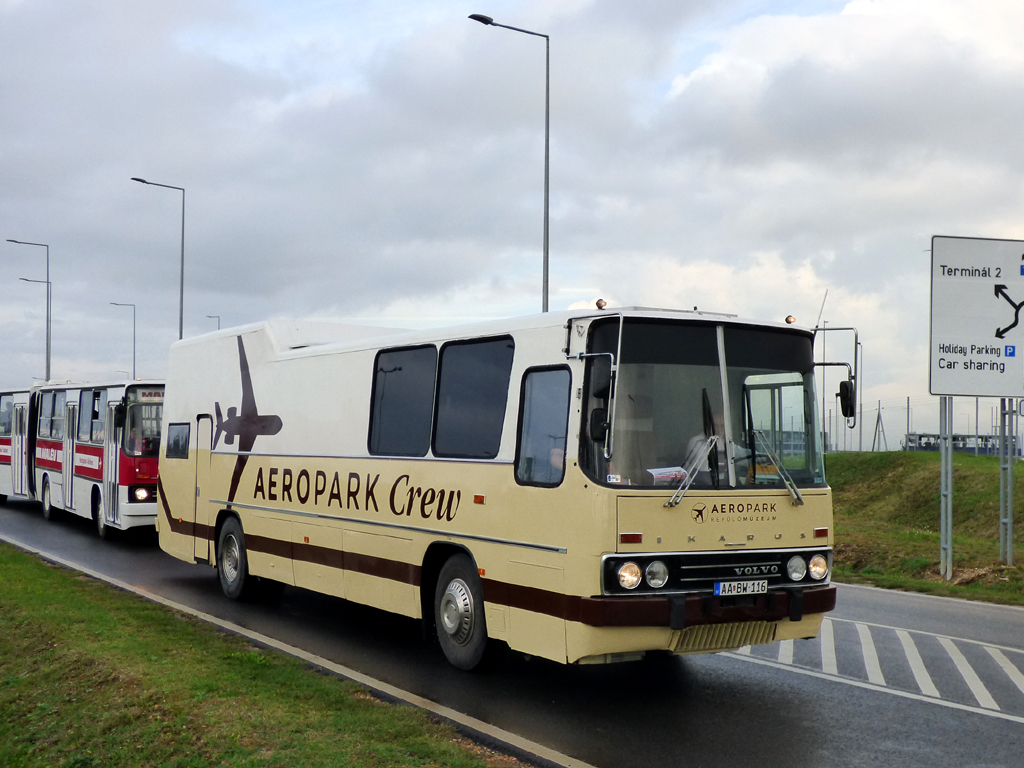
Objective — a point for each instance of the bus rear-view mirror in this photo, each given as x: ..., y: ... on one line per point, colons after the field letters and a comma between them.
x: 847, y: 399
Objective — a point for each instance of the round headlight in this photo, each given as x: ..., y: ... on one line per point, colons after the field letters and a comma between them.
x: 818, y: 567
x: 657, y: 574
x: 796, y: 568
x: 629, y: 575
x: 141, y: 494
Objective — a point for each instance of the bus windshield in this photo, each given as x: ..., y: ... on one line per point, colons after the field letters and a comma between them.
x: 142, y: 429
x: 676, y: 410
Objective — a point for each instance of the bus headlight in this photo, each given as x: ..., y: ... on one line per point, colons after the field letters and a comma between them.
x: 629, y: 575
x: 796, y: 568
x: 656, y: 574
x: 818, y: 567
x: 140, y: 493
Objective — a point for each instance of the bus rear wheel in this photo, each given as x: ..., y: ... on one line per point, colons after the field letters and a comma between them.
x: 233, y: 560
x: 459, y: 616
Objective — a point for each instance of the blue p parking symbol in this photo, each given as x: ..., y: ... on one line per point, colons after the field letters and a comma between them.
x: 1010, y: 350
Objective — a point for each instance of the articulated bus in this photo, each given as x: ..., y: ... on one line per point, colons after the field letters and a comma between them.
x: 88, y: 449
x: 582, y: 487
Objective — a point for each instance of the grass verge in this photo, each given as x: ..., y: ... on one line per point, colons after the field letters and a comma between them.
x: 887, y: 524
x: 92, y: 676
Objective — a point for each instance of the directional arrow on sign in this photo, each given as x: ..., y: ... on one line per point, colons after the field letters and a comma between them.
x: 1001, y: 291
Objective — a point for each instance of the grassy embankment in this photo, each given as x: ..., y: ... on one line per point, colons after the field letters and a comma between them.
x: 92, y: 676
x: 887, y: 524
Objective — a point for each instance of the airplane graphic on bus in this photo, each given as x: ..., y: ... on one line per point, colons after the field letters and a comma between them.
x: 246, y: 426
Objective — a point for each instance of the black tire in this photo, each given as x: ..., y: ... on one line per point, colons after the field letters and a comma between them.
x: 102, y: 529
x: 459, y: 616
x: 3, y: 498
x: 233, y: 561
x: 49, y: 511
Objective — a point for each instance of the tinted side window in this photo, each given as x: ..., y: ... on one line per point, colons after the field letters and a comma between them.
x: 57, y: 424
x: 177, y: 441
x: 403, y: 401
x: 543, y: 424
x: 6, y: 415
x: 98, y: 411
x: 45, y: 414
x: 84, y: 414
x: 472, y: 392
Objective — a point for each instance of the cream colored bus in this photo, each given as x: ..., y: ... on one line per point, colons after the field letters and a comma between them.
x: 583, y: 487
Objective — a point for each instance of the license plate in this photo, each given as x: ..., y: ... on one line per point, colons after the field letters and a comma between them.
x: 726, y: 588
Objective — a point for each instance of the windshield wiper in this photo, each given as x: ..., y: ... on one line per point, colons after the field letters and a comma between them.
x: 798, y: 499
x: 697, y: 455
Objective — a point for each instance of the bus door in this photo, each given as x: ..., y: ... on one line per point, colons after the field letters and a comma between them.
x: 201, y: 510
x: 19, y: 450
x: 111, y: 468
x: 68, y: 469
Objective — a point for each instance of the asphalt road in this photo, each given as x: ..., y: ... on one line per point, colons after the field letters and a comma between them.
x: 896, y: 679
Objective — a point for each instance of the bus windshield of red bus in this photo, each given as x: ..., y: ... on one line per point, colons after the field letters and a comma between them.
x: 674, y: 410
x: 142, y: 429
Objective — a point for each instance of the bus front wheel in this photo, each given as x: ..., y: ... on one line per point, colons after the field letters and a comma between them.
x: 232, y: 560
x: 49, y: 512
x: 97, y: 514
x: 459, y: 615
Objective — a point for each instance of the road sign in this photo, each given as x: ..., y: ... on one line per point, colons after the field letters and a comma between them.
x: 977, y: 337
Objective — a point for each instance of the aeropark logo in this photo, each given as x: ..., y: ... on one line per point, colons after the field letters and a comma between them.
x: 744, y: 512
x: 757, y: 570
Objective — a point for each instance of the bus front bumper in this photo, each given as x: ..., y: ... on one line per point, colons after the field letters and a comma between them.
x: 687, y: 610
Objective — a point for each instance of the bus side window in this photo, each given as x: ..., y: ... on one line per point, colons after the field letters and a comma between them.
x: 403, y: 402
x: 6, y: 415
x: 45, y: 414
x: 57, y: 424
x: 543, y: 427
x: 98, y: 411
x: 84, y: 415
x: 472, y: 392
x: 177, y: 441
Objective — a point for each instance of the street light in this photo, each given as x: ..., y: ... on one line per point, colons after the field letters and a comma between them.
x: 49, y: 297
x: 487, y: 20
x: 181, y: 294
x: 217, y: 318
x: 117, y: 304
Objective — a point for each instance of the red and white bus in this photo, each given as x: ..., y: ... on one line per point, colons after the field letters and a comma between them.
x: 88, y: 449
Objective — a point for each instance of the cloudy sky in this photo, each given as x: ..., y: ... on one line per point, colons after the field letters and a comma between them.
x: 382, y: 162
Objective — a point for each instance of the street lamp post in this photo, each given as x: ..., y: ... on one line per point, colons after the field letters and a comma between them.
x: 49, y: 297
x: 181, y: 293
x: 118, y: 304
x: 217, y: 318
x: 547, y: 130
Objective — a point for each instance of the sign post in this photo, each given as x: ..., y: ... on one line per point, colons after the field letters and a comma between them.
x: 976, y: 349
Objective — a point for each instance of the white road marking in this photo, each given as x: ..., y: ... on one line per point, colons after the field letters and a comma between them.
x: 786, y: 652
x: 969, y: 675
x: 828, y: 649
x: 877, y: 688
x: 745, y: 650
x: 924, y: 680
x: 1011, y: 671
x: 935, y: 634
x: 867, y: 648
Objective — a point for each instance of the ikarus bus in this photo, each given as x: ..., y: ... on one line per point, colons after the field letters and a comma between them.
x: 87, y: 449
x: 581, y: 487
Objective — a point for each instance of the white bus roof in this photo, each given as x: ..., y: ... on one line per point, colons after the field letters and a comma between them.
x: 305, y: 337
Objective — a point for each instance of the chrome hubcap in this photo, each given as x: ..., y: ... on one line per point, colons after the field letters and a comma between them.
x: 229, y: 560
x: 457, y: 615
